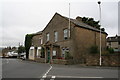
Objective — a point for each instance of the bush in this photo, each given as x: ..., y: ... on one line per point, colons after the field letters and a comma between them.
x: 94, y: 49
x: 67, y: 55
x: 110, y: 50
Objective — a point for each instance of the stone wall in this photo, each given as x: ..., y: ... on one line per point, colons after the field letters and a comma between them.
x: 84, y: 39
x: 36, y: 40
x: 108, y: 60
x: 63, y: 61
x: 58, y: 24
x: 59, y: 61
x: 41, y: 60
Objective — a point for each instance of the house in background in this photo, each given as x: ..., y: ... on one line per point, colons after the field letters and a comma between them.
x: 114, y: 42
x: 59, y: 40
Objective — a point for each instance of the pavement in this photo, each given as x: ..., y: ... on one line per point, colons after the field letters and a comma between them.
x: 16, y: 69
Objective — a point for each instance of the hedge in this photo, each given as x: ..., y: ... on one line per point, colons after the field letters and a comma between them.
x: 28, y: 41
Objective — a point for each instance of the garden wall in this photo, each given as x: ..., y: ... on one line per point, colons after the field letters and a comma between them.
x: 41, y: 60
x: 62, y: 61
x: 107, y: 60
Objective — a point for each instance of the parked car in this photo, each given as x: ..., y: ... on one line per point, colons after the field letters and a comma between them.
x: 23, y: 56
x: 12, y: 54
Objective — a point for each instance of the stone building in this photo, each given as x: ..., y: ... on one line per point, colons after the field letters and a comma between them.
x: 35, y: 49
x: 59, y: 40
x: 114, y: 42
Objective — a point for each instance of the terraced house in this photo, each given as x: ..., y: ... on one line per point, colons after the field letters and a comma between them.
x: 62, y: 40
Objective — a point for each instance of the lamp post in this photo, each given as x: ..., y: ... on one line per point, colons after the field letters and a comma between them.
x: 100, y: 29
x: 69, y: 22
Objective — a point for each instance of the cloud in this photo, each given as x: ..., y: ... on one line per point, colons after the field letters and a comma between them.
x: 15, y: 34
x: 119, y: 18
x: 21, y: 17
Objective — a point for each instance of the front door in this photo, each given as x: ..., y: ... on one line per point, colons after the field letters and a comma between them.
x: 48, y: 56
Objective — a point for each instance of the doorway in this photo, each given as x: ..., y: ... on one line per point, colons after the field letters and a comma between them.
x: 48, y: 55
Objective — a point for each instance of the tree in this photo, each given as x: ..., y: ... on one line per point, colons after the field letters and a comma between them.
x: 92, y: 22
x: 21, y: 49
x: 102, y: 29
x: 28, y: 41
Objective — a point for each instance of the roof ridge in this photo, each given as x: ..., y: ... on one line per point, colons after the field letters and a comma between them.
x: 76, y: 22
x: 90, y: 27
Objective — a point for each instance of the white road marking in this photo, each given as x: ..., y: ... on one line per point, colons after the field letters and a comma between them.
x: 45, y: 75
x: 91, y: 77
x: 53, y: 77
x: 77, y: 77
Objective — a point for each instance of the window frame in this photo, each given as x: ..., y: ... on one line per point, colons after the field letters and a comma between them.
x: 65, y: 33
x: 55, y: 36
x: 48, y: 37
x: 40, y: 40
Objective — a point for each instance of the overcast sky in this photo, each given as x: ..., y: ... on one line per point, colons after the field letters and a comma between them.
x: 21, y: 17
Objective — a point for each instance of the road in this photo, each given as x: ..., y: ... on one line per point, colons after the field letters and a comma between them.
x: 13, y: 69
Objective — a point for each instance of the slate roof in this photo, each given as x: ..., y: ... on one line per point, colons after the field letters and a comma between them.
x: 113, y: 39
x: 82, y: 24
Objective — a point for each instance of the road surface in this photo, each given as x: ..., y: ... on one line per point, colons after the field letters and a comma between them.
x: 16, y: 69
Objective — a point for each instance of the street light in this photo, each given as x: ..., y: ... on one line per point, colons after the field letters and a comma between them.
x: 69, y: 21
x: 100, y: 29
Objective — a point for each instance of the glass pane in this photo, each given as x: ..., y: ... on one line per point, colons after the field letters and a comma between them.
x: 48, y: 36
x: 65, y: 33
x: 56, y: 36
